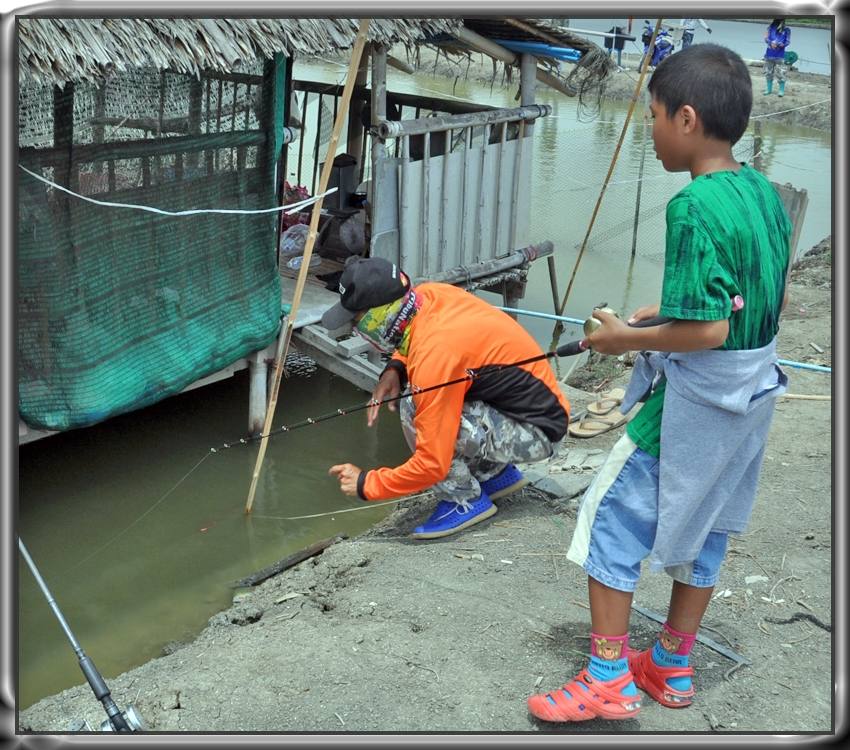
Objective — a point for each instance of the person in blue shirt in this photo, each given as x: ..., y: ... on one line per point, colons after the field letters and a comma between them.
x: 777, y: 38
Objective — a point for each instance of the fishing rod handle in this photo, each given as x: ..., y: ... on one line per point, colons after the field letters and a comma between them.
x: 658, y: 320
x: 577, y: 347
x: 571, y: 349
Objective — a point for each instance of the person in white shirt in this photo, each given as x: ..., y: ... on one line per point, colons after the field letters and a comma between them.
x: 689, y: 26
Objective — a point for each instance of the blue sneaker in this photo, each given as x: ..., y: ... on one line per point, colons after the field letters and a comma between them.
x: 508, y: 480
x: 451, y: 516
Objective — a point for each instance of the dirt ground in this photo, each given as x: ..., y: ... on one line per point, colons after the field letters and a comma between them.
x: 386, y: 634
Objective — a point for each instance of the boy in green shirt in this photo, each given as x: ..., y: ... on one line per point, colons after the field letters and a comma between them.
x: 673, y: 491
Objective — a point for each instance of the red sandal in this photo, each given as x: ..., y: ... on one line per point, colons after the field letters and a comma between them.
x: 586, y: 698
x: 652, y: 679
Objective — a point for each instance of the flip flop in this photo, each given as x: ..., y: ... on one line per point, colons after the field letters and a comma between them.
x: 607, y: 402
x: 593, y: 425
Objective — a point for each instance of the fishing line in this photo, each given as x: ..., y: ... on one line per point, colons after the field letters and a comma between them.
x: 370, y: 506
x: 572, y: 348
x: 567, y: 350
x: 147, y: 512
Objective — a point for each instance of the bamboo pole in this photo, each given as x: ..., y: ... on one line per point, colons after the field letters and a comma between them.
x: 559, y: 326
x: 357, y: 51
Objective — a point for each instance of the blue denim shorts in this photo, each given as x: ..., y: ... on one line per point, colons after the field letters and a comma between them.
x: 615, y: 529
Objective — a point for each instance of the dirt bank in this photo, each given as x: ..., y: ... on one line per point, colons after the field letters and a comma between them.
x: 807, y: 99
x: 384, y: 634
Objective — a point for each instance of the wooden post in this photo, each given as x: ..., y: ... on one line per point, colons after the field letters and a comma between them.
x: 354, y: 142
x: 258, y: 391
x: 378, y: 113
x: 757, y: 145
x: 308, y: 252
x: 639, y: 186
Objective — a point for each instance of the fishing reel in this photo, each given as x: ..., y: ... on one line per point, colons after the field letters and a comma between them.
x: 131, y: 717
x: 592, y: 324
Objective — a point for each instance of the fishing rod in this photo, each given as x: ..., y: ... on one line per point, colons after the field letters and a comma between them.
x: 117, y: 721
x: 566, y: 350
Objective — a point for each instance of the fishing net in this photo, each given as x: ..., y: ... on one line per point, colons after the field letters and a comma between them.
x: 119, y: 308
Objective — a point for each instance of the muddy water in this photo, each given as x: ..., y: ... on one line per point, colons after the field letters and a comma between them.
x: 135, y: 562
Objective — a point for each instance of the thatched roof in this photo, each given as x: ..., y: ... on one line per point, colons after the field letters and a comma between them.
x: 56, y: 50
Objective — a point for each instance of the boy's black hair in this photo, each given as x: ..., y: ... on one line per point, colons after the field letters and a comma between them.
x: 712, y: 79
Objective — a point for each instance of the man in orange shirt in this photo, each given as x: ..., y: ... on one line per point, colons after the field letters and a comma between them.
x: 466, y: 436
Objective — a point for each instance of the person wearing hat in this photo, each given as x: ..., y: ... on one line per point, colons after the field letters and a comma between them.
x: 464, y: 437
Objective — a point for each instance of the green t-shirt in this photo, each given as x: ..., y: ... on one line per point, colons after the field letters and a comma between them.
x: 727, y: 234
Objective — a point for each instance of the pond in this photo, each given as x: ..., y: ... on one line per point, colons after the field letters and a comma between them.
x: 139, y: 542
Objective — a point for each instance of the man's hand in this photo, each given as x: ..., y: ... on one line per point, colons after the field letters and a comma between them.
x: 389, y: 386
x: 348, y: 474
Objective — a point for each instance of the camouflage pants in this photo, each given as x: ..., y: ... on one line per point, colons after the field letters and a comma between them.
x: 487, y: 441
x: 772, y: 67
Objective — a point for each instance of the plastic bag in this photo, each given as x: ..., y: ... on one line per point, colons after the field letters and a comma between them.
x: 295, y: 262
x: 293, y: 241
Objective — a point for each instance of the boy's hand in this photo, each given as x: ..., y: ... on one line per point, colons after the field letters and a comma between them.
x: 644, y: 313
x: 612, y: 336
x: 348, y: 474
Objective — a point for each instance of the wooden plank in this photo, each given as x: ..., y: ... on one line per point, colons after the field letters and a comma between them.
x: 287, y: 562
x: 148, y: 147
x: 397, y: 99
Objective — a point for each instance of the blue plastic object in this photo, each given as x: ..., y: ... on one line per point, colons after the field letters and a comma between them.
x: 538, y: 48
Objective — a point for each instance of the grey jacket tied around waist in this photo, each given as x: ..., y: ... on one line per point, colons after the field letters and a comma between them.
x: 718, y: 406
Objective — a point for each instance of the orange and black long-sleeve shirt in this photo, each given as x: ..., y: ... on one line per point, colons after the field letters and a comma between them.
x: 454, y: 332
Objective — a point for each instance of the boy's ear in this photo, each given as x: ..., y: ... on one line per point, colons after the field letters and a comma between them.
x: 689, y: 118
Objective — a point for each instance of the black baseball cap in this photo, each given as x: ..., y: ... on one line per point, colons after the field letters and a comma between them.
x: 365, y: 283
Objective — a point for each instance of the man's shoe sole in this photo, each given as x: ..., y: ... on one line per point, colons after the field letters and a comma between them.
x: 448, y: 532
x: 518, y: 485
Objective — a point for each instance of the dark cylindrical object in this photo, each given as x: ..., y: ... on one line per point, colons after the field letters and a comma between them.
x: 570, y: 349
x: 397, y: 128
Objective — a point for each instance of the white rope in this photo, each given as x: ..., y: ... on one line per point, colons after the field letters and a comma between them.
x: 288, y: 209
x: 793, y: 109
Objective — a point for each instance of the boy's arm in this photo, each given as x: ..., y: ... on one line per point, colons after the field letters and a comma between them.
x: 615, y: 337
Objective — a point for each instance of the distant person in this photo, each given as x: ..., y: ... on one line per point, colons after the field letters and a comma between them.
x: 777, y: 38
x: 662, y: 47
x: 674, y: 487
x: 689, y: 26
x: 616, y: 42
x: 464, y: 436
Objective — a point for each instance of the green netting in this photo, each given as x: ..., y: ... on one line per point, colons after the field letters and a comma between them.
x: 119, y: 308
